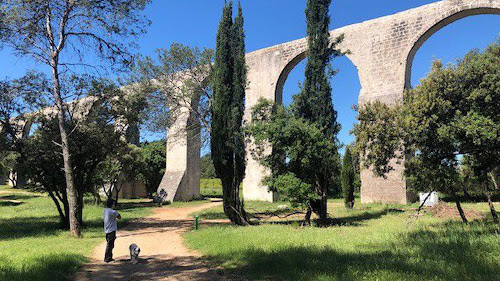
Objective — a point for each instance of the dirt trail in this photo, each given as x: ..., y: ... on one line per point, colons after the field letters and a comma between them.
x: 163, y: 254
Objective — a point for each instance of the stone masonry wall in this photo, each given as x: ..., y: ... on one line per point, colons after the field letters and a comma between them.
x: 382, y: 50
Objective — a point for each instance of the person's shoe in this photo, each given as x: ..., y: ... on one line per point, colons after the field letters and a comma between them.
x: 108, y: 261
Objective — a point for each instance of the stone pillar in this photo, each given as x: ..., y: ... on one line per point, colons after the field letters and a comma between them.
x: 181, y: 181
x: 264, y: 68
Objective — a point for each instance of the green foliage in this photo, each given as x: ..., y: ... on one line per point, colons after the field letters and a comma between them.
x: 314, y: 102
x: 451, y: 115
x: 227, y: 140
x: 157, y: 78
x: 211, y: 188
x: 154, y: 156
x: 61, y: 35
x: 300, y: 150
x: 256, y: 209
x: 207, y: 167
x: 9, y: 161
x: 123, y: 164
x: 109, y: 24
x: 44, y: 166
x: 348, y: 178
x: 96, y: 145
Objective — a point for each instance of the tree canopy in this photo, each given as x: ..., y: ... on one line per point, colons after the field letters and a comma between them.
x: 452, y: 114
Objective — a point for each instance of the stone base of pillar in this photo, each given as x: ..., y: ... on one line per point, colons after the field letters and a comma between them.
x: 253, y: 190
x: 392, y: 190
x: 179, y: 187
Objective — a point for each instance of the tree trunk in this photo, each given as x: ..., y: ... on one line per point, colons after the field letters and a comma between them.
x: 459, y: 208
x: 63, y: 219
x: 323, y: 216
x: 320, y: 206
x: 79, y: 213
x: 494, y: 180
x: 492, y: 208
x: 232, y: 204
x: 307, y: 218
x: 74, y: 225
x: 97, y: 197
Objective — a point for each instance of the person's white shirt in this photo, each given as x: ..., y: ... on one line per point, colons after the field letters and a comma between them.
x: 110, y: 220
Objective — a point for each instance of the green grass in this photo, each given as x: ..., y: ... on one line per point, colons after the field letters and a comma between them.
x: 253, y: 208
x: 371, y: 242
x: 211, y: 188
x: 32, y: 247
x: 179, y: 204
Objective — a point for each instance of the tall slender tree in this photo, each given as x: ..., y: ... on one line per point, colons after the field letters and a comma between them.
x: 314, y: 103
x: 227, y: 140
x: 348, y: 177
x: 61, y: 34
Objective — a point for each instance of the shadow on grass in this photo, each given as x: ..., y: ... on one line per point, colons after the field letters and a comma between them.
x: 18, y: 197
x: 260, y: 217
x: 52, y: 267
x: 453, y: 252
x: 10, y: 203
x: 360, y: 217
x: 20, y: 227
x: 135, y: 205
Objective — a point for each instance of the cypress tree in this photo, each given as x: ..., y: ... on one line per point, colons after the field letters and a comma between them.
x: 314, y: 102
x: 227, y: 141
x: 347, y: 179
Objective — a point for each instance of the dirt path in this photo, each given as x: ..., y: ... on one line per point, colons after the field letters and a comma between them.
x: 163, y: 254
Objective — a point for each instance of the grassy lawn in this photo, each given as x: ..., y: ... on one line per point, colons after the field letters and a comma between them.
x: 32, y: 247
x: 211, y: 188
x: 253, y: 208
x: 371, y: 242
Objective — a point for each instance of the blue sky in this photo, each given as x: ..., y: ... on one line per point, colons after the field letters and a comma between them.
x: 270, y: 22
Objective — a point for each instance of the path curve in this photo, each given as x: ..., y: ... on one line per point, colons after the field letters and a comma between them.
x: 163, y: 254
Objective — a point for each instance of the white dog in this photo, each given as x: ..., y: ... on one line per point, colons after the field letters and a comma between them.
x: 134, y: 253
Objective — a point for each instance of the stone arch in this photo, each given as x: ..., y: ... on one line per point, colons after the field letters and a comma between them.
x: 290, y: 66
x: 448, y: 18
x: 284, y: 75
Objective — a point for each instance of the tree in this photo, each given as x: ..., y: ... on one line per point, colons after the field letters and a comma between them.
x: 154, y: 157
x: 227, y: 140
x: 172, y: 81
x: 348, y: 178
x: 300, y: 150
x: 478, y: 182
x: 95, y: 134
x: 451, y: 116
x: 54, y: 31
x: 314, y: 102
x: 207, y: 167
x: 9, y: 161
x: 124, y: 164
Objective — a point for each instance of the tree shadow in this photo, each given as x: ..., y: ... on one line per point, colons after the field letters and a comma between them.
x: 464, y: 249
x: 52, y: 267
x: 151, y: 268
x: 18, y: 197
x: 454, y: 252
x: 10, y: 203
x: 357, y: 219
x: 19, y: 227
x: 135, y: 205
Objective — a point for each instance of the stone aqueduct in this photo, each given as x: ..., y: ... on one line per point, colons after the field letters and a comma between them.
x: 382, y: 50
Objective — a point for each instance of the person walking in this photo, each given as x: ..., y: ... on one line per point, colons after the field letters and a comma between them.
x: 110, y: 227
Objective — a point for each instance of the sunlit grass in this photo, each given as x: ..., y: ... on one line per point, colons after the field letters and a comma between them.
x: 371, y: 242
x: 32, y: 247
x: 211, y: 187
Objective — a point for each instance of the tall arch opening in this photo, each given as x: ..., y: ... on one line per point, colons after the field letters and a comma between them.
x: 345, y: 90
x: 452, y: 38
